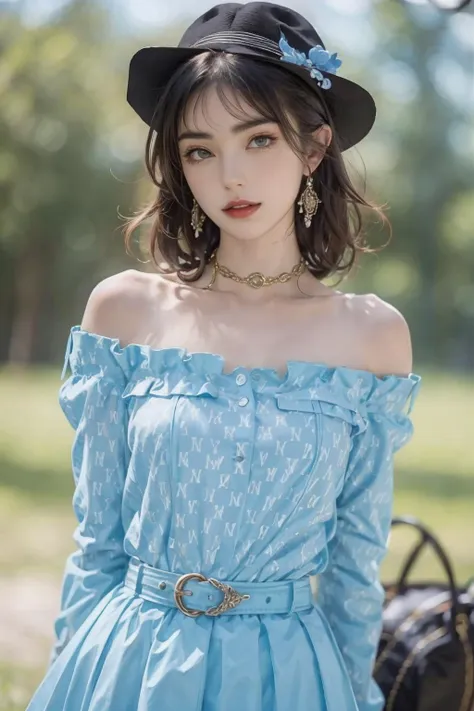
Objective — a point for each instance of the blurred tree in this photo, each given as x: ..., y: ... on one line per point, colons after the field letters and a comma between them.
x: 63, y: 129
x: 422, y: 119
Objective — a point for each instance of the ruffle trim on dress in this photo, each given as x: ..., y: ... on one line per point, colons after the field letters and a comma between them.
x: 337, y: 391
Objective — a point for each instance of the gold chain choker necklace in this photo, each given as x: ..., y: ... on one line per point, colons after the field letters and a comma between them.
x: 256, y: 279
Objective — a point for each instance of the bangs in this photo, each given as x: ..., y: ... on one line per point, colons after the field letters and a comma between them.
x: 247, y: 88
x: 238, y: 86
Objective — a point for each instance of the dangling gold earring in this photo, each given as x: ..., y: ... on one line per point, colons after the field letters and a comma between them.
x: 309, y: 200
x: 197, y: 220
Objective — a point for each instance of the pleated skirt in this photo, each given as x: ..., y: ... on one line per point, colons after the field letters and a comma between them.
x: 135, y: 655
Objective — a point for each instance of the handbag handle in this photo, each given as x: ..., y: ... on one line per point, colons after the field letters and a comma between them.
x: 427, y: 538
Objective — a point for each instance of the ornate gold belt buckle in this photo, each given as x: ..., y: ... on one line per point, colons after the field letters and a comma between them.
x: 231, y: 597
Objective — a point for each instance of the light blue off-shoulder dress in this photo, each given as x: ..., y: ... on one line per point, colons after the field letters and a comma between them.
x: 245, y: 476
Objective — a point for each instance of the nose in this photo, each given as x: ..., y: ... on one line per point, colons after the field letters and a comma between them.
x: 232, y: 173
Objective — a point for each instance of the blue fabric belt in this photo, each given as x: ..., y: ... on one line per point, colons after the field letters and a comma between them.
x: 158, y: 586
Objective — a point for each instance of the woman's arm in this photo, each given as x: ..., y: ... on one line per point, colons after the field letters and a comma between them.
x: 349, y: 591
x: 91, y: 399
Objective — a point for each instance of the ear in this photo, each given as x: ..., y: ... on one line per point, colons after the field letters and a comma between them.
x: 323, y: 135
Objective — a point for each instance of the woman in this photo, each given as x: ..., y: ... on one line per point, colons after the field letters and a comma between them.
x: 235, y: 418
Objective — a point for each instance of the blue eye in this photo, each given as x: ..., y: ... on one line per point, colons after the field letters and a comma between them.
x: 192, y: 154
x: 265, y: 137
x: 189, y: 153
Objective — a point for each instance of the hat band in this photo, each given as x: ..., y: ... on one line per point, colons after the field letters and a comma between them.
x: 248, y: 39
x: 317, y: 61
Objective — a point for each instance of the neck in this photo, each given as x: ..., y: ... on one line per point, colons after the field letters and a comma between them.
x: 244, y: 258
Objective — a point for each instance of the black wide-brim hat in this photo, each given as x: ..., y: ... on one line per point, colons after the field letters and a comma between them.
x: 259, y: 30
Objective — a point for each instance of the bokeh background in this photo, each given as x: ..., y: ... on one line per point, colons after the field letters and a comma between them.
x: 71, y: 165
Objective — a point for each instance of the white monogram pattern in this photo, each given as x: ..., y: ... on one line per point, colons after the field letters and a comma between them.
x: 242, y: 476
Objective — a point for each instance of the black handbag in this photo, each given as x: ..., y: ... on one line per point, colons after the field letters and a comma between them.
x: 425, y: 659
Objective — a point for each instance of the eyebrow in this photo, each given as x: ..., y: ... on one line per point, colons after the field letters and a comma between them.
x: 237, y: 128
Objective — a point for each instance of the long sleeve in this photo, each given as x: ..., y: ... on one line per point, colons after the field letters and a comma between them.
x: 91, y: 400
x: 349, y: 590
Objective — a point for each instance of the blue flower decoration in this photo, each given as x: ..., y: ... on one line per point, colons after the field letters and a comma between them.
x: 318, y: 60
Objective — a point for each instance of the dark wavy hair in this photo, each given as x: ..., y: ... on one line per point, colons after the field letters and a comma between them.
x: 329, y: 246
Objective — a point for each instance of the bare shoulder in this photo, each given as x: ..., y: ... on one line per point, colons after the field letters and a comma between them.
x: 386, y: 335
x: 116, y: 303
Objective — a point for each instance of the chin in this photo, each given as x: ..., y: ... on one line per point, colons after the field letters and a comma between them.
x: 247, y: 230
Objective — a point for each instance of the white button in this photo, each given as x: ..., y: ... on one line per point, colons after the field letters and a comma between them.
x: 240, y: 379
x: 243, y: 401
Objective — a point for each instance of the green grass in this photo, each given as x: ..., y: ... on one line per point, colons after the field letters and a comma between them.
x: 435, y: 475
x: 434, y: 481
x: 16, y: 684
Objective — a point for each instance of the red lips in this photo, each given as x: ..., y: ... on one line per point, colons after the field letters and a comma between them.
x: 238, y: 203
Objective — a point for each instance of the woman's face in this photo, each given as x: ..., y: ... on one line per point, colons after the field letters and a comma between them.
x: 238, y: 162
